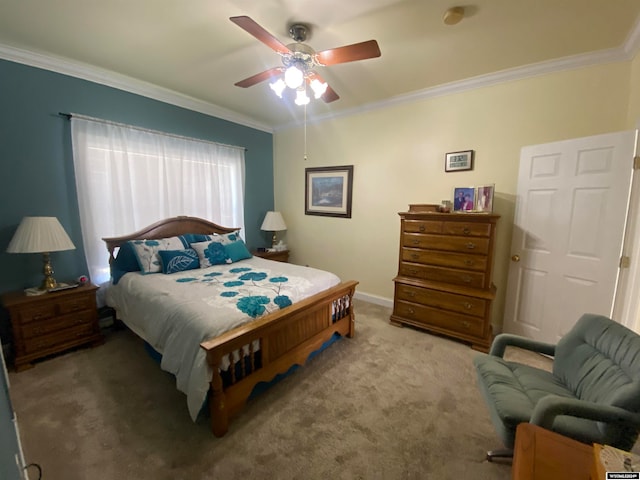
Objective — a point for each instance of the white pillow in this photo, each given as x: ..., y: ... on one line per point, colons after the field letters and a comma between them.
x: 147, y: 252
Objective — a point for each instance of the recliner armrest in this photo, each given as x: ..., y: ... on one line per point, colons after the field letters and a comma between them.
x: 504, y: 340
x: 551, y: 406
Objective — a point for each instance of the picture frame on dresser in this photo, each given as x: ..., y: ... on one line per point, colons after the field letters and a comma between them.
x: 458, y: 161
x: 328, y: 191
x: 484, y: 198
x: 464, y: 199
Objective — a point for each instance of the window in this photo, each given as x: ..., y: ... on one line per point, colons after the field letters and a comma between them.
x: 128, y: 178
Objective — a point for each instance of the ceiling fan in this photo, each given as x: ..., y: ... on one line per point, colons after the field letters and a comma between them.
x: 299, y: 61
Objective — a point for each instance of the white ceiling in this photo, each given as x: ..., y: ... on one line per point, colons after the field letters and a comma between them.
x: 189, y: 53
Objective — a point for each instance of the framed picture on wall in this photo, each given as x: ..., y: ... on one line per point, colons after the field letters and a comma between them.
x: 484, y: 198
x: 457, y: 161
x: 328, y: 190
x: 463, y: 199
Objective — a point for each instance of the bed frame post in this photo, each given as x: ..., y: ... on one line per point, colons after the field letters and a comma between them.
x: 217, y: 403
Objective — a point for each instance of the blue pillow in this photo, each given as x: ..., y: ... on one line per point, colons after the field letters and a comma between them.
x: 125, y: 261
x: 178, y: 260
x: 210, y: 253
x: 237, y: 251
x: 189, y: 238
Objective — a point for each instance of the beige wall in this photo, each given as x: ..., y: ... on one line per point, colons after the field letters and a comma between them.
x: 398, y: 157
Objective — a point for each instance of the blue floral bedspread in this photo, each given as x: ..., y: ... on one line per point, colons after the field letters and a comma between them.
x: 175, y: 313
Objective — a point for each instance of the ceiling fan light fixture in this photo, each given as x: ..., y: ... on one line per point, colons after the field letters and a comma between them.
x: 301, y: 97
x: 293, y: 77
x: 278, y: 86
x: 318, y: 87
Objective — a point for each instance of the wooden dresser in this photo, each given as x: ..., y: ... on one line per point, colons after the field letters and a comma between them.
x: 52, y: 322
x: 444, y: 274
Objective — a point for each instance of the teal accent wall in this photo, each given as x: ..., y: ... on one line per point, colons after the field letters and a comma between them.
x: 36, y: 163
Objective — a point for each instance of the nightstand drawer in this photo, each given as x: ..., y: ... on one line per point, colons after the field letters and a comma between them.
x: 75, y: 304
x: 36, y: 329
x: 37, y: 313
x: 71, y: 335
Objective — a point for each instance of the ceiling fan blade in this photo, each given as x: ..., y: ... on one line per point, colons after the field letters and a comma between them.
x: 330, y: 94
x: 349, y: 53
x: 259, y: 77
x: 260, y: 33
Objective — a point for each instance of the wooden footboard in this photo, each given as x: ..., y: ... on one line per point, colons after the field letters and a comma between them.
x: 286, y: 338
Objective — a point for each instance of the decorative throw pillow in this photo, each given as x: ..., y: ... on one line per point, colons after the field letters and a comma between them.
x: 237, y: 250
x: 147, y: 252
x: 211, y: 253
x: 226, y: 238
x: 178, y: 260
x: 124, y: 262
x: 189, y: 238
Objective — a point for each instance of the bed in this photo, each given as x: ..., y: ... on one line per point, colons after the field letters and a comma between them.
x: 225, y: 350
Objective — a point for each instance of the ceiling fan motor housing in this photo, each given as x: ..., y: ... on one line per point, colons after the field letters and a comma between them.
x: 299, y: 32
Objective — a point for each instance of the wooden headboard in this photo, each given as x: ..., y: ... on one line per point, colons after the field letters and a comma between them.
x: 169, y: 227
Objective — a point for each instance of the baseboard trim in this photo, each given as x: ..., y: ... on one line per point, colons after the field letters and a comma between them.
x: 378, y: 300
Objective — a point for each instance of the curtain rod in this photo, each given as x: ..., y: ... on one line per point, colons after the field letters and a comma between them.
x: 148, y: 130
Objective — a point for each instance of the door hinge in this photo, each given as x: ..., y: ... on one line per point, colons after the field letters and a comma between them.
x: 636, y: 162
x: 625, y: 262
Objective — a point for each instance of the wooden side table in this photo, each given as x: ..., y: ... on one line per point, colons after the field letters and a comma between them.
x: 52, y: 322
x: 281, y: 256
x: 540, y: 454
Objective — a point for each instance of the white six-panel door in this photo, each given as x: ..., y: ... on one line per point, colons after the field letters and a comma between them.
x: 568, y: 230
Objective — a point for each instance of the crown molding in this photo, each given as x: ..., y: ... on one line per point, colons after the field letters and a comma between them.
x: 519, y: 73
x: 108, y: 78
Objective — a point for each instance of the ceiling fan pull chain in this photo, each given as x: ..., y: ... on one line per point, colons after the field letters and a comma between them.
x: 305, y: 132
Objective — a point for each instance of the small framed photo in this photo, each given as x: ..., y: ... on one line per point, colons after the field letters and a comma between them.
x: 457, y: 161
x: 328, y: 191
x: 463, y: 199
x: 484, y: 198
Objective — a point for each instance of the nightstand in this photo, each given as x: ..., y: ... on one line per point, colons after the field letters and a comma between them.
x: 52, y: 322
x: 281, y: 256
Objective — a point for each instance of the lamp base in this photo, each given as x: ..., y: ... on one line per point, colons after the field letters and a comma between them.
x: 49, y: 282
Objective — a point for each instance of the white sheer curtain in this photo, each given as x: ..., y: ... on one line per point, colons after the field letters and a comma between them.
x: 128, y: 178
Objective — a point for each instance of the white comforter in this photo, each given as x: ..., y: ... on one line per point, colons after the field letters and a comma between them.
x: 174, y: 313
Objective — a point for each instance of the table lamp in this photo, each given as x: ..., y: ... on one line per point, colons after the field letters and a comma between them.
x: 41, y: 235
x: 273, y: 222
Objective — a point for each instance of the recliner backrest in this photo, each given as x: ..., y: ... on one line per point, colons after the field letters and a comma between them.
x: 599, y: 360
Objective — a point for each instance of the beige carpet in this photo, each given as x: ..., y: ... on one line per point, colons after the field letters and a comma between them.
x: 391, y: 403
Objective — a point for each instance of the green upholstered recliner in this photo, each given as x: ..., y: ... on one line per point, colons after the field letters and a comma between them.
x: 592, y: 394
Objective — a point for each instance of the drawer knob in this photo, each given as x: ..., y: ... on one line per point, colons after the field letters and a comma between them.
x: 413, y: 271
x: 466, y: 231
x: 467, y: 305
x: 466, y: 279
x: 416, y: 242
x: 471, y: 245
x: 421, y: 228
x: 465, y: 323
x: 415, y: 256
x: 411, y: 311
x: 409, y: 293
x: 469, y: 263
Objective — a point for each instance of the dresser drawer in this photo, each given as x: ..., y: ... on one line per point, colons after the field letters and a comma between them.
x: 467, y: 229
x: 437, y: 299
x: 446, y: 243
x: 428, y: 316
x: 445, y: 259
x: 70, y: 335
x: 422, y: 226
x: 440, y: 274
x: 35, y: 329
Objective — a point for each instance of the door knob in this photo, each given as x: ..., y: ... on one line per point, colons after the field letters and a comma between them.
x: 515, y: 258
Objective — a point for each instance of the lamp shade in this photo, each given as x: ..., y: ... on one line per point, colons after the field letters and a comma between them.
x: 40, y: 235
x: 273, y: 222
